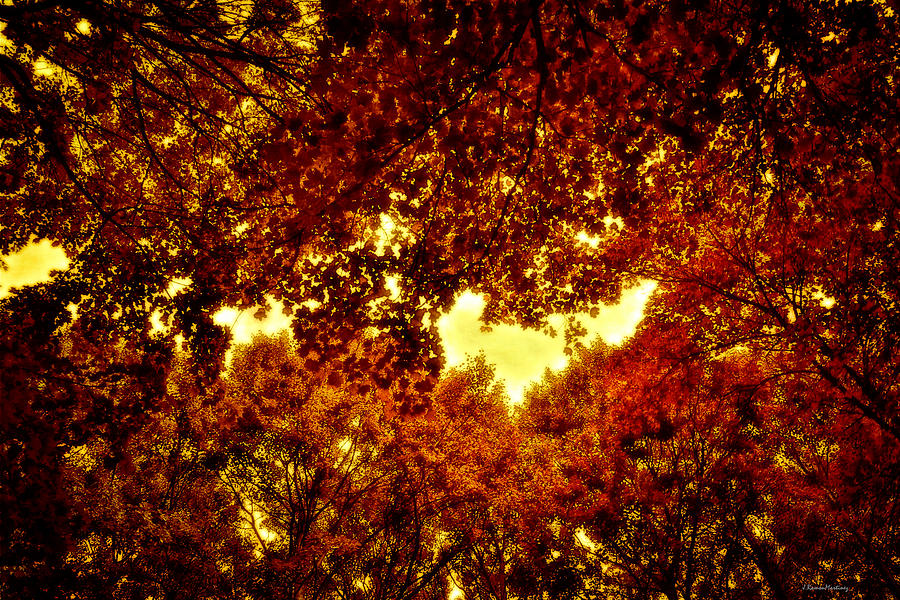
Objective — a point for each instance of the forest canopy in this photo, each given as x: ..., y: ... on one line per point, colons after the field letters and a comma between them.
x: 364, y: 162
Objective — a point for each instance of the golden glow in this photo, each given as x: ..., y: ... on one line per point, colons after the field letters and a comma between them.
x: 389, y: 234
x: 521, y: 355
x: 83, y: 27
x: 827, y: 302
x: 392, y: 285
x: 32, y: 264
x: 243, y: 324
x: 593, y: 241
x: 178, y: 285
x: 455, y: 592
x: 44, y: 68
x: 6, y: 44
x: 156, y: 322
x: 582, y: 537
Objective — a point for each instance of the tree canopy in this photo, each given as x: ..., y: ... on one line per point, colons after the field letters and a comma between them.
x: 364, y: 163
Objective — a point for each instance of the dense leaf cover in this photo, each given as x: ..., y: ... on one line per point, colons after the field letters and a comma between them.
x: 364, y: 162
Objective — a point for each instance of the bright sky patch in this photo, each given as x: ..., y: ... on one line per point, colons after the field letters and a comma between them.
x: 32, y: 264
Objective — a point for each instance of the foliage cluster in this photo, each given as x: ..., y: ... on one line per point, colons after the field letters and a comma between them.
x: 366, y: 161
